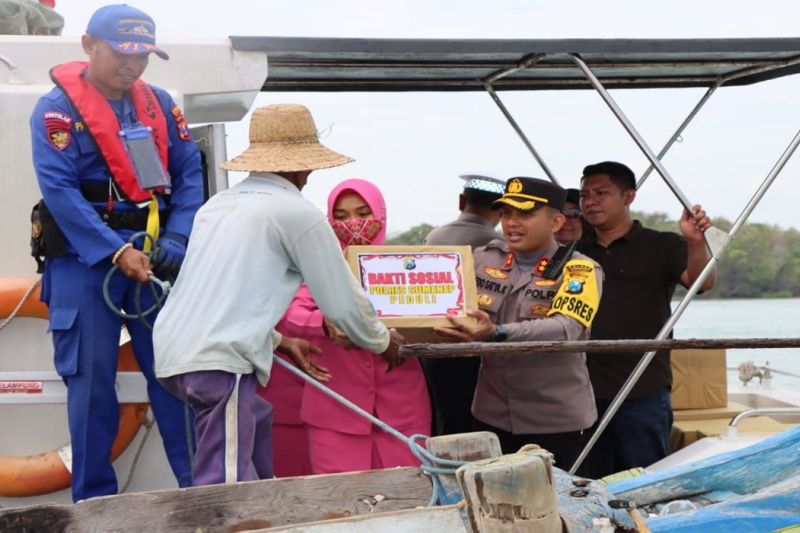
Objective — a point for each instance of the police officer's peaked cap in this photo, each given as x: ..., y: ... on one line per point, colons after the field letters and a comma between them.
x: 527, y: 194
x: 477, y: 182
x: 574, y: 196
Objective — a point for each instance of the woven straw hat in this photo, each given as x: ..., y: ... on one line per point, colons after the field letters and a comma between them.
x: 283, y: 138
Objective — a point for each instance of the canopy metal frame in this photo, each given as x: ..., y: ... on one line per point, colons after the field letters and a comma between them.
x: 490, y: 65
x: 718, y: 241
x: 352, y: 64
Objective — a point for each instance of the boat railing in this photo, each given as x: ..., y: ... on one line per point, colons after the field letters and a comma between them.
x: 733, y: 431
x: 474, y: 349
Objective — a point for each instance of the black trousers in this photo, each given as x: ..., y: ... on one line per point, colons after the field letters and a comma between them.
x: 565, y: 447
x: 451, y: 383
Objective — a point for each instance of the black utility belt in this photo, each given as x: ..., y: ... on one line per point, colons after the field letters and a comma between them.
x: 47, y: 239
x: 132, y: 220
x: 99, y: 192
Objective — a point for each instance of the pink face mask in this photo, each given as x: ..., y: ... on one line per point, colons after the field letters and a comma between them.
x: 354, y: 230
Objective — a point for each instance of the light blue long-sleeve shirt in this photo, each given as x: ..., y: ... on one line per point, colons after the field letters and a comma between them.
x: 251, y: 247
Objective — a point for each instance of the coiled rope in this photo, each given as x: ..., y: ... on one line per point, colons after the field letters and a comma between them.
x: 158, y: 299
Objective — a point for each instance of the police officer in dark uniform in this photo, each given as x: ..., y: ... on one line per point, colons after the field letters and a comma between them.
x: 531, y: 288
x: 452, y: 381
x: 95, y: 196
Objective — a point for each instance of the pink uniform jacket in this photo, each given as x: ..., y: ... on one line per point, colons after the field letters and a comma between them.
x: 399, y: 398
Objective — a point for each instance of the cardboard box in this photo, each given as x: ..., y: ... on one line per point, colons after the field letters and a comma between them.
x: 690, y: 415
x: 415, y: 288
x: 699, y: 379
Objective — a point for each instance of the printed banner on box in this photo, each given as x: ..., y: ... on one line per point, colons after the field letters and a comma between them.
x: 416, y: 284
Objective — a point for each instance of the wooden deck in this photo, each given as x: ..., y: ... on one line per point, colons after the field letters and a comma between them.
x: 230, y: 508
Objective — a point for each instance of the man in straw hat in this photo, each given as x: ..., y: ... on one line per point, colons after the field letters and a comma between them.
x: 531, y: 288
x: 251, y: 248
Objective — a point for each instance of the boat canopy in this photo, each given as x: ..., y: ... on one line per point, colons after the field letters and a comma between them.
x: 491, y: 65
x: 347, y: 64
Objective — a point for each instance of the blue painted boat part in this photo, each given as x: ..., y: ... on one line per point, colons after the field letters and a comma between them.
x: 742, y: 471
x: 767, y: 510
x: 582, y: 500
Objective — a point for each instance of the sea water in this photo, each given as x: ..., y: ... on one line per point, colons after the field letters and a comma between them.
x: 757, y: 318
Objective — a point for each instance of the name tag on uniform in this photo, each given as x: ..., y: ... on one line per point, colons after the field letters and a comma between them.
x: 150, y: 172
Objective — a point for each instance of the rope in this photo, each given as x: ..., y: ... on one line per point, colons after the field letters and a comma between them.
x: 148, y: 425
x: 22, y: 301
x: 431, y: 465
x: 158, y: 300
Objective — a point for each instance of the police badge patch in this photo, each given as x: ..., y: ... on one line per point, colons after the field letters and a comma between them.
x: 183, y: 126
x: 58, y: 126
x: 495, y: 273
x: 484, y: 300
x: 539, y: 310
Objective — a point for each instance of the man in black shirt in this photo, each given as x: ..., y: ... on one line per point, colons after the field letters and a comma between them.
x: 642, y: 268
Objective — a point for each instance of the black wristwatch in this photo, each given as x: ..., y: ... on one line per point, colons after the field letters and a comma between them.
x: 500, y: 334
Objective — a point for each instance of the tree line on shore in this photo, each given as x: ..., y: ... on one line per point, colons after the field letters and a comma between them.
x: 762, y: 262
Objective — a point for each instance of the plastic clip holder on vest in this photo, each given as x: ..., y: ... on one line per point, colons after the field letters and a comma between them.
x: 150, y: 172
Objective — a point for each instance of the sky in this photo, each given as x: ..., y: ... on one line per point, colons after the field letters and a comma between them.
x: 414, y: 145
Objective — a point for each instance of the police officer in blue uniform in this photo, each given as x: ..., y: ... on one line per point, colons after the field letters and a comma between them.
x: 94, y: 199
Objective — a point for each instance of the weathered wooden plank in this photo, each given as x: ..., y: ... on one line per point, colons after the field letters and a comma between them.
x: 444, y: 519
x: 474, y: 349
x: 228, y: 508
x: 514, y: 493
x: 461, y: 447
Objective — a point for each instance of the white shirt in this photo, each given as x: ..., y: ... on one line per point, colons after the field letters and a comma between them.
x: 250, y: 249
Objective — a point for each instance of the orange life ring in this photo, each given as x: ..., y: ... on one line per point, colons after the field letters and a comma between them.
x: 45, y: 472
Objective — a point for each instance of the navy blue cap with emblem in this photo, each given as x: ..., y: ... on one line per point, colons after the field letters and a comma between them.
x: 126, y: 29
x: 528, y: 194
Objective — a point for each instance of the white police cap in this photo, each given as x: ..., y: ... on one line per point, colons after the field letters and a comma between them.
x: 483, y: 183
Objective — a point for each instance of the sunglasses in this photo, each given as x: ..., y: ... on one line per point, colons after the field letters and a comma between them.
x: 572, y: 213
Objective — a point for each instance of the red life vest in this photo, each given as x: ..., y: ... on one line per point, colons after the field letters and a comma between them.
x: 97, y: 115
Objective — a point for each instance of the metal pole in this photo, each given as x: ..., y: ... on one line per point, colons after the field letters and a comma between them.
x: 762, y: 411
x: 645, y: 360
x: 525, y: 63
x: 765, y: 185
x: 679, y: 131
x: 714, y: 236
x: 749, y: 71
x: 520, y: 133
x: 535, y: 348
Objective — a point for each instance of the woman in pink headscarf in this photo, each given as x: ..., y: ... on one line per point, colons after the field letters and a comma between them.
x: 338, y: 439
